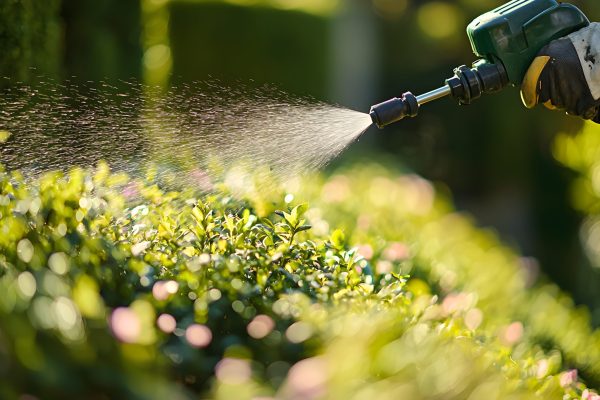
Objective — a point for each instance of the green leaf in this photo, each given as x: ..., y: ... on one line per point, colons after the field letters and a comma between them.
x: 4, y: 136
x: 268, y: 241
x: 303, y: 228
x: 197, y: 214
x: 290, y: 219
x: 296, y: 213
x: 338, y: 238
x: 301, y: 209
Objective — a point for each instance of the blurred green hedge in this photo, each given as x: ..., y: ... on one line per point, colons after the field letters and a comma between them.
x: 101, y: 40
x: 30, y: 35
x: 116, y: 288
x: 91, y: 40
x: 240, y: 43
x: 581, y: 153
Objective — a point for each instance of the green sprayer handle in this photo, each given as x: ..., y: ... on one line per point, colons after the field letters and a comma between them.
x: 506, y: 40
x: 514, y: 33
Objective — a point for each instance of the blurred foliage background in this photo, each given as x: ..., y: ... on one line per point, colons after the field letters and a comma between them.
x: 504, y: 164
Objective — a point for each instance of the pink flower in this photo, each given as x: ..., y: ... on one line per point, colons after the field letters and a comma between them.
x: 396, y: 252
x: 337, y: 189
x: 363, y: 222
x: 366, y: 251
x: 130, y: 191
x: 201, y: 179
x: 384, y: 267
x: 457, y: 302
x: 589, y: 395
x: 568, y: 378
x: 512, y: 333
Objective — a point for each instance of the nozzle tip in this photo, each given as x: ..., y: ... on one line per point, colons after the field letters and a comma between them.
x: 375, y: 118
x: 394, y: 110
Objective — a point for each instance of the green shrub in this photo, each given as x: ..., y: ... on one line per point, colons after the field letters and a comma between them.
x: 274, y: 46
x: 581, y: 153
x: 101, y: 41
x: 116, y: 288
x: 29, y: 39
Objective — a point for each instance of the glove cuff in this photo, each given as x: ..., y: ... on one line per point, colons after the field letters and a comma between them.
x: 587, y: 44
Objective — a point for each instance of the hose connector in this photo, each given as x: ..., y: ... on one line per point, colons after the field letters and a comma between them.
x: 394, y: 110
x: 469, y: 84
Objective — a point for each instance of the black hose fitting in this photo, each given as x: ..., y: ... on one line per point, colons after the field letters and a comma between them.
x: 394, y: 110
x: 469, y: 84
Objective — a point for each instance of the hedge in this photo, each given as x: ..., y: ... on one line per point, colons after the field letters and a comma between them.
x: 274, y: 46
x: 114, y: 287
x: 581, y: 153
x: 29, y: 39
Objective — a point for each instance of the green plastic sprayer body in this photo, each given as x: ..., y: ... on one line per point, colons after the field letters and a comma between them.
x: 507, y: 39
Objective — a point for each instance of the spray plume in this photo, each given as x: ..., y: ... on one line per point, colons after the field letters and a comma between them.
x: 188, y: 130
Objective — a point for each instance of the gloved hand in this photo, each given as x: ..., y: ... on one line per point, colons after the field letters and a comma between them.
x: 566, y: 75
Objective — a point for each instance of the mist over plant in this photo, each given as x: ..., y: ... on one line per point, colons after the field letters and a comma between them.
x: 184, y: 130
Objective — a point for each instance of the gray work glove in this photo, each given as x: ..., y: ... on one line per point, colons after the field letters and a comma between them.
x: 566, y: 75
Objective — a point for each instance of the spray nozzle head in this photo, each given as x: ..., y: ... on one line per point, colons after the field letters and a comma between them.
x: 375, y: 117
x: 394, y: 110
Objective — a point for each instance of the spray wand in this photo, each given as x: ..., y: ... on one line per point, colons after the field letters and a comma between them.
x: 507, y: 39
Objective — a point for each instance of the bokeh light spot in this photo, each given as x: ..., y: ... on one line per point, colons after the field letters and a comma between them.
x: 126, y: 325
x: 65, y: 312
x: 238, y: 306
x: 260, y: 326
x: 438, y: 19
x: 233, y: 371
x: 473, y: 318
x: 159, y: 291
x: 307, y: 379
x: 25, y: 250
x: 299, y: 332
x: 198, y: 335
x: 59, y: 263
x: 166, y: 323
x: 171, y: 287
x: 27, y: 284
x: 512, y: 333
x: 157, y: 56
x: 214, y: 294
x: 396, y: 251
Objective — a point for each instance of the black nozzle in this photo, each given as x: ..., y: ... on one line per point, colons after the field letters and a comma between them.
x: 394, y: 110
x: 466, y: 85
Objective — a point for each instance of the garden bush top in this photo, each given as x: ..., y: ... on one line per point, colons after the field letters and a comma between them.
x: 116, y: 288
